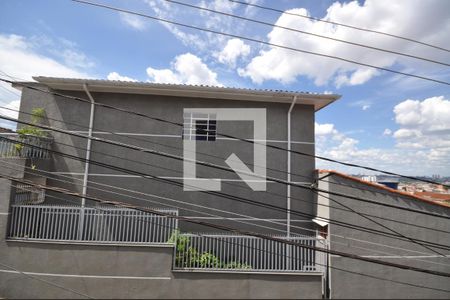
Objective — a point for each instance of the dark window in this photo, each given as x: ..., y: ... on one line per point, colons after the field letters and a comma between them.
x: 200, y: 127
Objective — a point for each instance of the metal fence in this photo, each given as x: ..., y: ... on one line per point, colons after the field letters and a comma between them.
x: 246, y: 253
x: 28, y: 194
x: 101, y: 224
x: 13, y: 149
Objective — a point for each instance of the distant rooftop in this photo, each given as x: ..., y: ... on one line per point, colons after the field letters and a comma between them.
x: 319, y: 101
x: 382, y: 187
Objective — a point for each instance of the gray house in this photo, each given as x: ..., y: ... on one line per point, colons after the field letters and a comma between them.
x: 198, y: 159
x: 206, y: 154
x: 425, y: 221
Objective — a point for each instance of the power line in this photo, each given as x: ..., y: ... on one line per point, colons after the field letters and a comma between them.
x: 226, y: 228
x: 296, y: 259
x: 232, y: 197
x: 386, y: 227
x: 46, y: 281
x: 227, y: 183
x: 210, y: 155
x: 104, y: 131
x: 210, y: 165
x: 381, y: 225
x: 219, y: 134
x: 262, y: 42
x: 208, y: 208
x: 329, y: 266
x: 306, y: 32
x: 340, y: 24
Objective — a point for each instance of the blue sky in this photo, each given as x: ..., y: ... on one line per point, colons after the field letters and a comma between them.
x: 382, y: 120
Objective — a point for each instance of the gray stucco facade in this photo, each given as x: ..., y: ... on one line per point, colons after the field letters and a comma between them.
x: 146, y: 271
x: 163, y: 137
x: 384, y: 280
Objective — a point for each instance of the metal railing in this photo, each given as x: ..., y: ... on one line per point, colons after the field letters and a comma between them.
x: 101, y: 224
x: 12, y: 149
x: 246, y: 253
x: 28, y: 194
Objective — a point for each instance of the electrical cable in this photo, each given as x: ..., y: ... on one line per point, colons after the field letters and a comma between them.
x: 380, y: 224
x: 324, y: 265
x: 305, y: 32
x: 261, y: 41
x: 46, y: 281
x: 163, y: 154
x: 227, y: 196
x: 219, y: 134
x: 215, y: 156
x: 33, y: 172
x: 339, y: 24
x: 226, y: 228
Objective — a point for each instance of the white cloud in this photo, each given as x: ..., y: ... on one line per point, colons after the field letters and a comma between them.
x: 133, y: 21
x: 13, y: 105
x: 187, y: 69
x: 363, y: 104
x: 324, y: 129
x: 234, y: 49
x: 387, y: 131
x: 11, y: 111
x: 383, y: 15
x: 21, y: 58
x: 423, y: 123
x: 166, y: 10
x: 422, y: 141
x: 117, y: 76
x: 205, y: 43
x: 76, y: 59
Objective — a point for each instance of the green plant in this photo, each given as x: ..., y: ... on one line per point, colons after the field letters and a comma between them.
x: 208, y: 260
x: 188, y: 257
x: 37, y: 114
x: 237, y: 265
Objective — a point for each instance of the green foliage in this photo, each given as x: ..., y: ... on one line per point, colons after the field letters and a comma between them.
x: 31, y: 130
x: 237, y: 265
x: 37, y: 114
x: 208, y: 260
x: 188, y: 257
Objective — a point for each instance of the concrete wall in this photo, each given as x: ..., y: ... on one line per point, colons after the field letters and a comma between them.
x: 167, y: 138
x: 132, y: 272
x: 112, y: 271
x: 347, y: 285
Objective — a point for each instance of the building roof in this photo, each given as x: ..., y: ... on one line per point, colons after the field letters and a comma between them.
x: 433, y: 196
x: 319, y: 101
x: 5, y: 130
x: 382, y: 187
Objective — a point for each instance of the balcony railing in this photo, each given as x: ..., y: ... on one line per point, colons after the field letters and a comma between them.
x: 28, y: 194
x: 246, y: 253
x: 101, y: 224
x: 13, y: 148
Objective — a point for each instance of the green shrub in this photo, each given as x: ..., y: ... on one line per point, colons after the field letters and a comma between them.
x: 37, y: 114
x: 189, y: 257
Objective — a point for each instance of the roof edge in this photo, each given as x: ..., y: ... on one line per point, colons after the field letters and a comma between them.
x: 382, y: 187
x: 319, y: 101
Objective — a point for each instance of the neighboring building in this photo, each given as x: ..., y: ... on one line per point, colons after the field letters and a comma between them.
x: 388, y: 181
x: 411, y: 224
x: 112, y: 252
x: 5, y: 130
